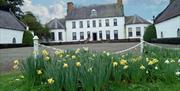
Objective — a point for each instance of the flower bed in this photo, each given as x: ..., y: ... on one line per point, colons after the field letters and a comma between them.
x: 83, y: 70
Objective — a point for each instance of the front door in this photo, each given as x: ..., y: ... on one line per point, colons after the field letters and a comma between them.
x: 94, y: 36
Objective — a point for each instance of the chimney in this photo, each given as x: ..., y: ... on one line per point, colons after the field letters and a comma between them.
x: 120, y: 2
x: 70, y: 7
x: 120, y: 7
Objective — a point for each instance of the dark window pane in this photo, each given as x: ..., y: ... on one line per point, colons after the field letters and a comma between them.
x: 116, y: 34
x: 81, y: 24
x: 100, y: 34
x: 52, y: 36
x: 107, y: 35
x: 81, y: 35
x: 94, y: 23
x: 107, y: 22
x: 60, y: 35
x: 115, y: 22
x: 74, y: 35
x: 73, y: 24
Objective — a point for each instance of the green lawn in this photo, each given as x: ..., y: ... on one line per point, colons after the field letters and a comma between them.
x: 10, y: 82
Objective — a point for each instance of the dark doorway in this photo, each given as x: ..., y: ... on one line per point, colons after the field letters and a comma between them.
x: 94, y: 36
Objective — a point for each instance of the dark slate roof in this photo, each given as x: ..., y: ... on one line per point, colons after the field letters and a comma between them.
x: 103, y: 11
x: 135, y: 20
x: 56, y: 24
x: 172, y: 10
x: 9, y: 21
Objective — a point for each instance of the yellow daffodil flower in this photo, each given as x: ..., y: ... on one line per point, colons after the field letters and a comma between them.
x: 125, y: 67
x: 39, y: 72
x: 115, y: 64
x: 16, y: 62
x: 142, y: 67
x: 78, y: 64
x: 123, y: 62
x: 50, y: 81
x: 47, y: 58
x: 15, y: 67
x: 45, y: 53
x: 65, y: 65
x: 77, y: 51
x: 73, y: 57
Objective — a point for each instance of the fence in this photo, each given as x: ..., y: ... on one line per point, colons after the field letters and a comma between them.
x: 141, y: 44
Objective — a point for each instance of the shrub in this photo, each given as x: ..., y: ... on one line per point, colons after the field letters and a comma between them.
x: 150, y: 33
x: 27, y: 38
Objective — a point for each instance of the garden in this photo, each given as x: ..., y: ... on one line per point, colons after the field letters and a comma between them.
x: 157, y: 69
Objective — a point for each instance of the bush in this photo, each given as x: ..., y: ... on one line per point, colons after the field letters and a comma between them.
x: 27, y: 38
x: 150, y: 33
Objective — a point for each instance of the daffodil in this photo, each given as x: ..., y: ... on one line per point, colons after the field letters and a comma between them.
x: 90, y: 69
x: 47, y: 58
x: 86, y: 48
x: 16, y: 62
x: 125, y: 67
x: 173, y: 61
x: 39, y: 72
x: 65, y: 65
x: 156, y: 68
x: 142, y: 67
x: 179, y: 61
x: 115, y: 64
x: 77, y: 51
x: 107, y: 53
x: 50, y: 81
x: 167, y: 62
x: 177, y: 73
x: 45, y: 52
x: 147, y: 72
x: 15, y: 67
x: 153, y: 61
x: 22, y: 77
x: 78, y: 64
x: 73, y: 57
x: 123, y: 62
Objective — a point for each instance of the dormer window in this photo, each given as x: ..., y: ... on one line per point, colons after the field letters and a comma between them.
x: 93, y: 13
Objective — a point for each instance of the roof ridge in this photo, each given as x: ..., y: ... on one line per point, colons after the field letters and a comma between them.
x: 93, y: 5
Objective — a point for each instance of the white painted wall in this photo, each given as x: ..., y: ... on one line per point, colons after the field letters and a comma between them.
x: 120, y: 28
x: 133, y: 26
x: 7, y: 35
x: 169, y: 28
x: 56, y: 35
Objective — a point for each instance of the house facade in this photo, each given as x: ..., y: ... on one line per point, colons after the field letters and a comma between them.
x: 11, y: 29
x: 96, y: 23
x: 168, y: 21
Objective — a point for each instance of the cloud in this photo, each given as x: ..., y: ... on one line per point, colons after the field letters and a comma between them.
x: 45, y: 13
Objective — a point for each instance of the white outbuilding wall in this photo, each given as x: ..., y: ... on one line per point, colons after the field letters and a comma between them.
x: 134, y: 29
x: 168, y: 28
x: 111, y: 28
x: 7, y: 35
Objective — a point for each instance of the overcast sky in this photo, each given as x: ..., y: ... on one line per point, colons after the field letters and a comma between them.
x: 46, y: 10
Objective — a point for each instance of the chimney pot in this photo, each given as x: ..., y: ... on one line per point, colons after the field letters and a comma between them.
x: 70, y: 7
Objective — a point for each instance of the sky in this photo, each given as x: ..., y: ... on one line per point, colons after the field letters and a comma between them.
x: 46, y: 10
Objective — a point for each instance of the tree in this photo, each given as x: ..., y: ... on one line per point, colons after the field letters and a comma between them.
x: 13, y: 5
x: 150, y: 33
x: 34, y: 25
x: 27, y: 38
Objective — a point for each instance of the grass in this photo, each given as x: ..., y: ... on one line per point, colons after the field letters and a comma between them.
x: 8, y: 82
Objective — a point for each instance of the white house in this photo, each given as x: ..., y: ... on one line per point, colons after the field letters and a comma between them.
x: 168, y: 21
x: 96, y: 23
x: 11, y: 29
x: 57, y: 30
x: 135, y: 26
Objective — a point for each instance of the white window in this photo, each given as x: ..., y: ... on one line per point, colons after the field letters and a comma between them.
x: 138, y: 31
x: 80, y: 24
x: 107, y: 35
x: 115, y: 34
x: 162, y: 35
x: 107, y: 22
x: 130, y: 34
x: 74, y: 36
x: 81, y: 35
x: 100, y: 34
x: 60, y: 35
x: 88, y: 24
x: 115, y: 22
x: 52, y: 36
x: 100, y: 23
x: 73, y: 24
x: 178, y: 32
x: 94, y: 23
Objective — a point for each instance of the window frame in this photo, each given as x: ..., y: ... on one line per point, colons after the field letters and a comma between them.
x: 108, y: 35
x: 60, y: 38
x: 100, y: 23
x: 115, y: 22
x: 100, y: 35
x: 130, y: 33
x: 74, y: 36
x: 116, y: 34
x: 94, y: 23
x: 52, y: 34
x: 73, y: 25
x: 81, y: 35
x: 107, y: 23
x: 80, y: 24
